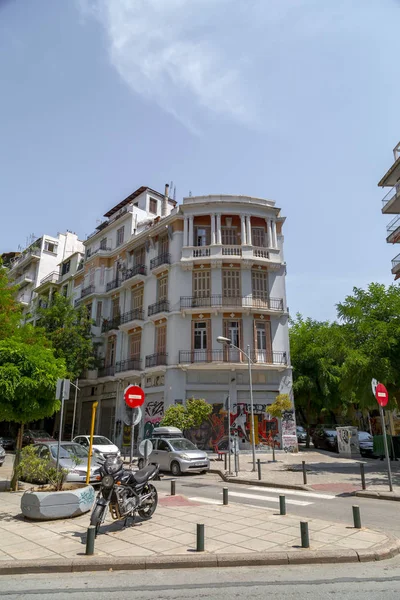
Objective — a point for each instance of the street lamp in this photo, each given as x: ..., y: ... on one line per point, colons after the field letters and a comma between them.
x: 224, y: 340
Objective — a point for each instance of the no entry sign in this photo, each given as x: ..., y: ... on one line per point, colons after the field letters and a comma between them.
x: 134, y: 396
x: 381, y: 394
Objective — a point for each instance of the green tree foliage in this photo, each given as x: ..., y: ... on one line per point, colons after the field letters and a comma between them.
x: 10, y: 310
x: 69, y: 330
x: 282, y: 403
x: 193, y: 414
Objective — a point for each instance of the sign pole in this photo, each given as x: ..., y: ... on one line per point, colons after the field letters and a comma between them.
x: 61, y: 392
x: 132, y: 432
x: 94, y: 407
x: 386, y: 448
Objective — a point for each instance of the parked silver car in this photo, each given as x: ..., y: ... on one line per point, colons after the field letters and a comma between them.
x: 73, y: 458
x: 172, y: 452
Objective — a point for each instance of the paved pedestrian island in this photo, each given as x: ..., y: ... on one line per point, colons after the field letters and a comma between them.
x: 235, y: 529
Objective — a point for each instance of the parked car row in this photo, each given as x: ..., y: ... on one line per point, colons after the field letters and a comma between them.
x: 326, y: 439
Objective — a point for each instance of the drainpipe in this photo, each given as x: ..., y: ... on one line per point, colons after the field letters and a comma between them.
x: 164, y: 206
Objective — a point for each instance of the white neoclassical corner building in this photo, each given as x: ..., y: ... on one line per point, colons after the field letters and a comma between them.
x: 162, y: 282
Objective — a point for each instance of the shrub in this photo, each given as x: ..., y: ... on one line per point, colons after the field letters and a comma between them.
x: 34, y: 469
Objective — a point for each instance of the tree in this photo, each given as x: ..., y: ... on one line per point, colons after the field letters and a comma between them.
x: 10, y: 309
x: 69, y: 330
x: 282, y: 404
x: 28, y: 378
x: 184, y: 417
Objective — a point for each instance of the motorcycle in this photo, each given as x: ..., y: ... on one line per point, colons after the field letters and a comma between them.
x: 124, y: 493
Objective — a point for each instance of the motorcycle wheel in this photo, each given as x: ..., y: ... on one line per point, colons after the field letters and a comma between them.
x: 97, y: 516
x: 148, y: 511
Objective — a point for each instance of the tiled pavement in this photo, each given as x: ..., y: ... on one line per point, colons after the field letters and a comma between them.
x: 233, y: 529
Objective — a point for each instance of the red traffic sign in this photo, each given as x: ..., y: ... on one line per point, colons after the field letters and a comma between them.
x: 381, y: 394
x: 134, y: 396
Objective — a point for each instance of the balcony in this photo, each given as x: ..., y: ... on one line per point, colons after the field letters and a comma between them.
x: 218, y: 301
x: 113, y: 285
x: 393, y: 230
x: 160, y: 260
x: 261, y: 255
x: 50, y: 278
x: 24, y: 279
x: 90, y: 289
x: 391, y: 202
x: 396, y: 265
x: 109, y: 324
x: 132, y: 364
x: 26, y: 256
x: 156, y: 360
x: 230, y: 355
x: 158, y: 307
x: 24, y: 299
x: 134, y: 271
x: 106, y: 371
x: 137, y: 314
x: 231, y: 251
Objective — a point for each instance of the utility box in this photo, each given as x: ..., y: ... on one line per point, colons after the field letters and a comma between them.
x: 348, y: 445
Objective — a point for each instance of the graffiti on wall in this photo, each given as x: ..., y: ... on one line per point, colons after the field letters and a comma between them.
x: 153, y: 413
x: 289, y: 436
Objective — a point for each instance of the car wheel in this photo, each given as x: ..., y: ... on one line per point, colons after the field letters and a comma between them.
x: 175, y: 468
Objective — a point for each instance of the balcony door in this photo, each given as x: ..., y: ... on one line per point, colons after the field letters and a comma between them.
x: 233, y: 331
x: 203, y: 236
x: 200, y: 339
x: 134, y: 346
x: 258, y: 237
x: 110, y: 362
x: 161, y: 339
x: 263, y: 342
x: 137, y: 299
x: 259, y: 283
x: 201, y: 288
x: 163, y: 245
x: 162, y: 285
x: 231, y: 289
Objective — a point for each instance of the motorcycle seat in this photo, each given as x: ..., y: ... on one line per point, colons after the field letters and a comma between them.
x: 144, y: 474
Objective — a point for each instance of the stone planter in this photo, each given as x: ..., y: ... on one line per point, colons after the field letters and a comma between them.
x: 57, y: 505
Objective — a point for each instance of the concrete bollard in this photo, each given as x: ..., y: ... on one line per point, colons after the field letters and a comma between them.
x: 90, y: 537
x: 259, y: 469
x: 282, y: 505
x: 225, y: 461
x: 362, y: 471
x: 173, y: 487
x: 225, y: 496
x: 200, y: 538
x: 304, y: 472
x: 305, y: 540
x: 356, y: 517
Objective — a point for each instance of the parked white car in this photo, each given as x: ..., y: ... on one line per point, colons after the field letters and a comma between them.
x: 102, y: 446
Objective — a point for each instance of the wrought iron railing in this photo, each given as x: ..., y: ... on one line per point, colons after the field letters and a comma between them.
x: 137, y: 314
x: 157, y: 307
x: 106, y: 371
x: 392, y: 193
x: 112, y: 285
x: 131, y: 364
x: 161, y: 259
x: 87, y: 291
x: 155, y: 360
x: 396, y: 261
x: 109, y: 324
x: 136, y: 270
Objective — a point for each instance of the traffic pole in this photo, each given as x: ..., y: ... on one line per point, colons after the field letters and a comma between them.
x: 362, y: 476
x: 259, y: 469
x: 94, y: 408
x: 386, y: 448
x: 304, y: 472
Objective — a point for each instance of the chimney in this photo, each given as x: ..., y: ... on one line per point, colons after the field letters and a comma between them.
x: 164, y: 207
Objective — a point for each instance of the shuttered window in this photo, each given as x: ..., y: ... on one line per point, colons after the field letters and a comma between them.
x: 115, y: 308
x: 134, y: 345
x: 201, y: 283
x: 139, y: 256
x: 231, y: 283
x: 162, y: 285
x: 137, y: 299
x: 111, y: 352
x: 161, y: 339
x: 99, y: 309
x: 229, y: 236
x: 259, y: 282
x: 258, y: 237
x: 163, y: 244
x: 120, y: 236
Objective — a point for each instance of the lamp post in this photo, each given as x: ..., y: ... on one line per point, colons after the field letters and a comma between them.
x: 228, y: 342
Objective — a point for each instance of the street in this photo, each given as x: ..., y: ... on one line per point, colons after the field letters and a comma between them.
x: 368, y: 581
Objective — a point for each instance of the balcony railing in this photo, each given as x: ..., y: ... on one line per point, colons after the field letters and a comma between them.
x: 392, y: 193
x: 132, y: 364
x: 161, y: 259
x: 201, y: 251
x: 109, y: 324
x: 157, y: 307
x: 393, y: 225
x: 87, y: 291
x: 396, y: 262
x: 24, y: 278
x: 231, y: 251
x: 26, y: 254
x: 231, y: 355
x: 219, y: 301
x: 137, y: 314
x: 136, y: 270
x: 114, y: 284
x: 50, y: 278
x: 155, y: 360
x: 260, y: 252
x: 106, y: 371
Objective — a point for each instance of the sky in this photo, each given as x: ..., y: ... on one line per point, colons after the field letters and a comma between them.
x: 292, y: 100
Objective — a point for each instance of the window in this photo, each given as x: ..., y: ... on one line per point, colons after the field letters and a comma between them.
x: 162, y: 292
x: 229, y: 236
x: 103, y: 243
x: 140, y: 256
x: 111, y: 352
x: 65, y: 267
x: 50, y: 246
x: 153, y: 206
x: 163, y: 446
x: 134, y: 345
x: 230, y: 285
x: 163, y: 244
x: 262, y: 341
x: 259, y: 284
x: 89, y: 310
x: 64, y: 291
x: 137, y: 299
x: 258, y: 237
x: 120, y: 236
x: 201, y: 284
x: 102, y: 274
x: 91, y: 276
x: 161, y: 339
x: 233, y: 331
x: 115, y: 308
x: 200, y: 331
x: 203, y: 237
x: 99, y: 310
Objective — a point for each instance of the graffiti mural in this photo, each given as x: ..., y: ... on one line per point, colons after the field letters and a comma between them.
x: 289, y: 437
x: 153, y: 413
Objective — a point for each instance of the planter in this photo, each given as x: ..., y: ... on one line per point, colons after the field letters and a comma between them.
x: 45, y: 506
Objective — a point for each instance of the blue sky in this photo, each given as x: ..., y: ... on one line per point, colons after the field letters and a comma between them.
x: 293, y: 100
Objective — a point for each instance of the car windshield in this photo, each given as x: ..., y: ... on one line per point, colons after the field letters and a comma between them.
x: 39, y: 434
x: 182, y: 444
x: 69, y: 451
x: 300, y: 429
x: 99, y: 440
x: 364, y: 436
x: 331, y: 433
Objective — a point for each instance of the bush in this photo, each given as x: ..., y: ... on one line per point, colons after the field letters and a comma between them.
x: 34, y: 469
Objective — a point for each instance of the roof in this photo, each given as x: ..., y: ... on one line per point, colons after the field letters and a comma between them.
x: 388, y: 173
x: 132, y: 196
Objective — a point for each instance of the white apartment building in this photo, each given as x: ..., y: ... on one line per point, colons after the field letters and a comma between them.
x: 391, y: 206
x: 162, y: 282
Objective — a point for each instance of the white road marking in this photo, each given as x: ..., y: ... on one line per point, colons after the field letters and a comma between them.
x: 211, y: 501
x: 267, y: 498
x: 290, y: 492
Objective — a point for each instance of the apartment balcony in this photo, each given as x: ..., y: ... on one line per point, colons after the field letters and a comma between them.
x: 162, y: 306
x: 24, y: 279
x: 87, y: 291
x: 223, y: 356
x: 46, y: 282
x: 156, y: 360
x: 108, y: 371
x: 396, y: 266
x: 113, y: 285
x: 393, y: 230
x: 129, y: 318
x: 391, y: 202
x: 110, y: 324
x: 26, y: 257
x: 265, y: 304
x: 24, y: 299
x: 138, y: 271
x: 101, y: 250
x: 132, y: 364
x: 158, y: 263
x: 252, y: 254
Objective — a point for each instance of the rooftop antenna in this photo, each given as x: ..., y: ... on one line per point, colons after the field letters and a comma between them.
x: 190, y: 193
x: 171, y: 186
x: 174, y: 196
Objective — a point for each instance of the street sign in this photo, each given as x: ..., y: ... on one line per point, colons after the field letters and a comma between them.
x: 134, y: 396
x: 145, y: 448
x: 374, y: 383
x: 132, y: 416
x: 381, y: 394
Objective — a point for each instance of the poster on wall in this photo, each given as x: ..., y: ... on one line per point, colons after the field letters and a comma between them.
x: 289, y: 443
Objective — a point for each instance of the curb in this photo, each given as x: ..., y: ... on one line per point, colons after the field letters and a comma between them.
x: 379, y: 495
x: 98, y: 563
x: 259, y: 483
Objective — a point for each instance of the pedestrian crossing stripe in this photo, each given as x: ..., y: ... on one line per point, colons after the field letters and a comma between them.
x: 290, y: 492
x: 219, y: 503
x: 267, y: 498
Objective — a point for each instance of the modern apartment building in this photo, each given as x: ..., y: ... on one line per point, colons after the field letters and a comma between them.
x: 391, y: 206
x: 162, y: 282
x: 36, y: 269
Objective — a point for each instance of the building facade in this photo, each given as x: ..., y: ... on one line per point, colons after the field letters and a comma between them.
x: 162, y: 282
x: 391, y: 206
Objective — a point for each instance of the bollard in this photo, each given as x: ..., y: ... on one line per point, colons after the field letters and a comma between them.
x: 225, y: 461
x: 90, y: 537
x: 305, y: 540
x: 304, y: 472
x: 356, y: 517
x: 259, y: 469
x: 362, y: 476
x: 200, y: 538
x: 225, y: 496
x: 282, y: 505
x: 273, y: 451
x: 173, y: 483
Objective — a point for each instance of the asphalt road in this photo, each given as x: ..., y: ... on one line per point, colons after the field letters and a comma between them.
x: 375, y: 514
x: 365, y: 581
